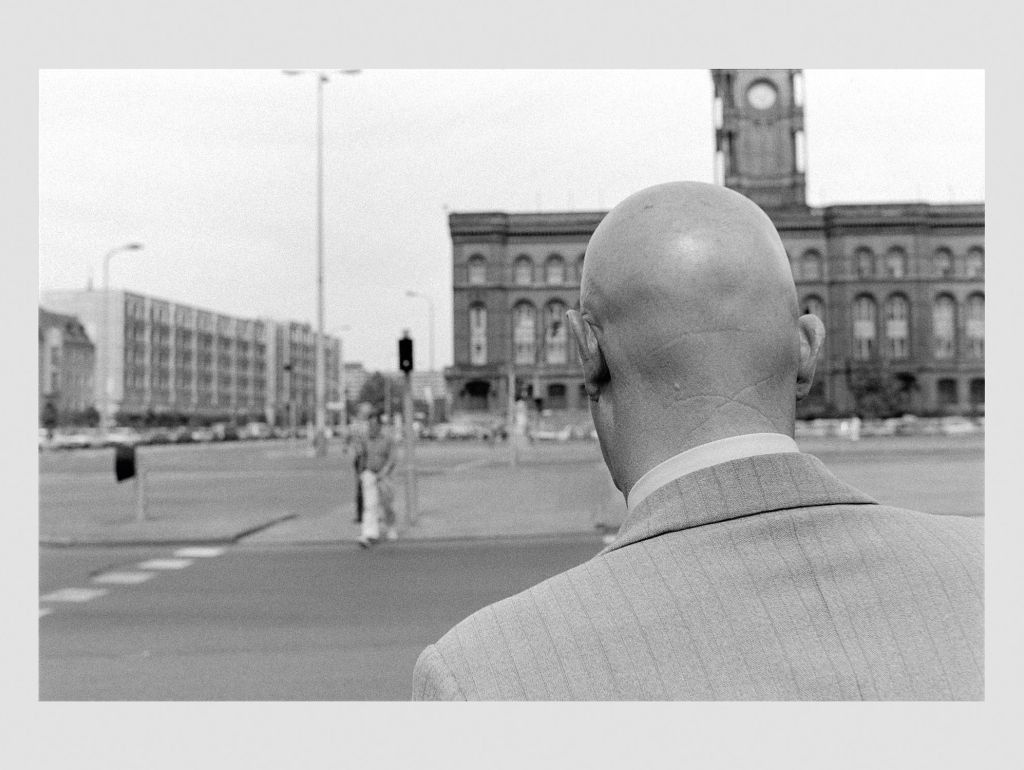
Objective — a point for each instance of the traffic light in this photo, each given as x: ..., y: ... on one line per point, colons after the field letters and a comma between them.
x: 405, y: 353
x: 124, y: 462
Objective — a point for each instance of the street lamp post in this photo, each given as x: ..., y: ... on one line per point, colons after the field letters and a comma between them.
x: 106, y: 335
x: 322, y: 76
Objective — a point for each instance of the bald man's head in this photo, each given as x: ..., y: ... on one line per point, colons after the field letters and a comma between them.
x: 688, y: 319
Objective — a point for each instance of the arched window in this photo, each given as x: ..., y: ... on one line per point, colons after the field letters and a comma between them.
x: 864, y: 261
x: 477, y: 269
x: 897, y: 325
x: 974, y: 328
x: 895, y: 263
x: 944, y: 326
x: 814, y: 306
x: 810, y: 265
x: 948, y: 392
x: 556, y: 396
x: 524, y: 333
x: 975, y: 265
x: 523, y: 271
x: 864, y: 325
x: 555, y: 333
x: 554, y: 270
x: 477, y: 334
x: 978, y: 391
x: 942, y: 263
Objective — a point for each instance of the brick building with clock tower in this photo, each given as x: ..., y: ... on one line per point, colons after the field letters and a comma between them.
x: 899, y: 286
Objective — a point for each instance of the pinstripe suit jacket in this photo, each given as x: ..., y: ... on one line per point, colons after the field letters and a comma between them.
x: 764, y: 578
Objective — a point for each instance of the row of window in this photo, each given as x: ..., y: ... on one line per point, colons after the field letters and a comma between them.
x: 894, y: 264
x: 896, y: 326
x: 554, y: 342
x: 159, y: 313
x: 525, y: 326
x: 555, y: 271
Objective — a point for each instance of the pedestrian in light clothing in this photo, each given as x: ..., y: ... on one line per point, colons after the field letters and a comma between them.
x: 744, y: 570
x: 375, y: 460
x: 356, y: 433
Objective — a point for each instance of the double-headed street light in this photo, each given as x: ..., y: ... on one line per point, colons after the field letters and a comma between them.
x: 107, y: 337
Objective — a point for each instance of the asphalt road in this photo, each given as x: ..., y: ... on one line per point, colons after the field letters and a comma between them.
x: 269, y: 623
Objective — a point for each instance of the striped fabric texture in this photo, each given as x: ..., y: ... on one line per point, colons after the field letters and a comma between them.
x: 758, y: 579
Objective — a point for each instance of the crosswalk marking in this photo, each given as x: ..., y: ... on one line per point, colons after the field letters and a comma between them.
x: 164, y: 564
x: 123, y: 578
x: 73, y: 595
x: 198, y: 552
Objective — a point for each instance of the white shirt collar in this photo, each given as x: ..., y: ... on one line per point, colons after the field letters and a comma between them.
x: 706, y: 455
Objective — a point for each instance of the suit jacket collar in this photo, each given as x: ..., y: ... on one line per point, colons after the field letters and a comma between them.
x: 733, y: 489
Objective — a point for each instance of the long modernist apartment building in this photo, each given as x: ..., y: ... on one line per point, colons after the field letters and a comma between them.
x: 172, y: 358
x: 899, y: 286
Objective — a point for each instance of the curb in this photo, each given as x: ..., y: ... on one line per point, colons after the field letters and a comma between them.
x: 402, y: 541
x: 157, y: 542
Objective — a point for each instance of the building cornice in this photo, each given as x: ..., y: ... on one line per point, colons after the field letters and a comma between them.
x: 466, y: 225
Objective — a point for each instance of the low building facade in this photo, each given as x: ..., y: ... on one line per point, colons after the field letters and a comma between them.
x: 172, y: 360
x: 67, y: 361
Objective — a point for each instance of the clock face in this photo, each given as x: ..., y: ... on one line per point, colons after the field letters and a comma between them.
x: 761, y: 95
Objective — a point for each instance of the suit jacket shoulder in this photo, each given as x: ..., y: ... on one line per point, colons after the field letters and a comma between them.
x: 764, y: 578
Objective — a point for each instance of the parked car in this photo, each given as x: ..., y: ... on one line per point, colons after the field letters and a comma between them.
x: 71, y: 440
x: 122, y: 436
x: 257, y: 430
x: 157, y: 436
x: 203, y: 435
x: 553, y: 435
x: 956, y: 425
x: 182, y: 435
x: 446, y: 431
x: 224, y: 431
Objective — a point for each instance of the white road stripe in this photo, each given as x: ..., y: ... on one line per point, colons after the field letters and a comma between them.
x: 198, y: 552
x: 44, y: 611
x: 73, y: 595
x: 164, y: 564
x: 123, y: 578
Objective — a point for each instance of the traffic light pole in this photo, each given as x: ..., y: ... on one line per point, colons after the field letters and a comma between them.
x: 405, y: 363
x: 411, y: 503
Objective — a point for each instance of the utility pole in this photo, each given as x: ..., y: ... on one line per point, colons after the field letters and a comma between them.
x: 405, y: 364
x: 412, y: 504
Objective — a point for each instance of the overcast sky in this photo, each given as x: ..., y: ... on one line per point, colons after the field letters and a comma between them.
x: 214, y: 172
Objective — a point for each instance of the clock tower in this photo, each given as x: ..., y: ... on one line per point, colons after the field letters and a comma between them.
x: 759, y: 135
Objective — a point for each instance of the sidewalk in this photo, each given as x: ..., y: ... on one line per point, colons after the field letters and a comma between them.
x: 484, y: 500
x: 278, y: 495
x: 552, y: 491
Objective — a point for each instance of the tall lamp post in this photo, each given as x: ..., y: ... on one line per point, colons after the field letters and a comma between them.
x: 322, y: 76
x: 107, y: 336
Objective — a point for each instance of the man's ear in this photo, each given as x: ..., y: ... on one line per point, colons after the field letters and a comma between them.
x: 595, y: 369
x: 812, y: 335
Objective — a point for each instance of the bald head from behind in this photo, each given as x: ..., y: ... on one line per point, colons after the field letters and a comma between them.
x: 688, y: 328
